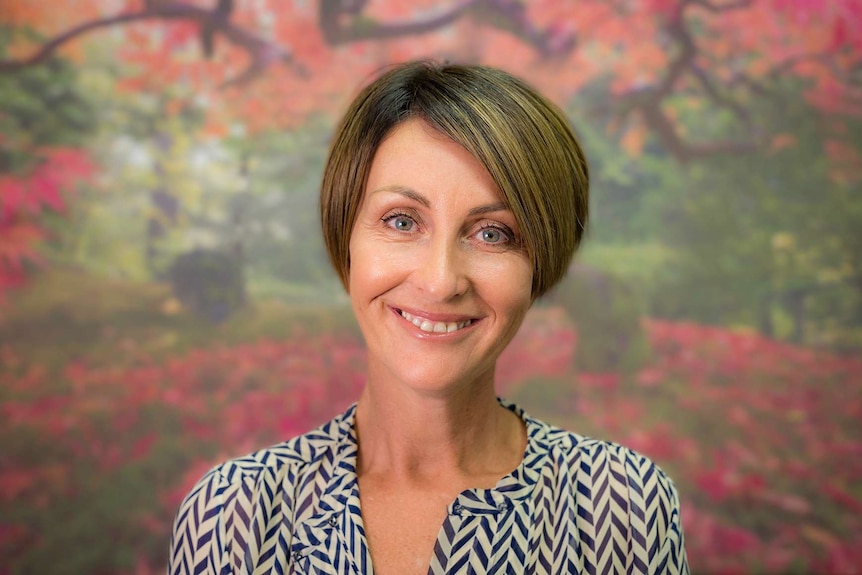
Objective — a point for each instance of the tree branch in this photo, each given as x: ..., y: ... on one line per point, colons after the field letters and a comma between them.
x: 657, y: 121
x: 511, y: 16
x: 677, y: 30
x: 262, y: 52
x: 720, y: 99
x: 754, y: 86
x: 341, y: 21
x: 333, y: 14
x: 648, y: 101
x: 824, y: 58
x: 726, y: 7
x: 48, y: 49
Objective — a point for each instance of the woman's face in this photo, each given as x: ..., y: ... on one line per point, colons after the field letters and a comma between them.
x: 439, y: 279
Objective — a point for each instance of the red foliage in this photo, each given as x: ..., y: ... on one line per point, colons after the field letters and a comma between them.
x: 784, y: 442
x: 542, y: 347
x: 23, y: 199
x: 762, y: 438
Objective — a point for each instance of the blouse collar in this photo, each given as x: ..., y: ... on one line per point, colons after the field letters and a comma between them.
x: 512, y: 489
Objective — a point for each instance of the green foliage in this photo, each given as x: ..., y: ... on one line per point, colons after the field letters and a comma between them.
x: 767, y: 234
x: 40, y: 106
x: 168, y: 188
x: 768, y: 239
x: 66, y: 314
x: 641, y: 265
x: 283, y: 243
x: 607, y: 313
x: 208, y: 283
x: 625, y: 192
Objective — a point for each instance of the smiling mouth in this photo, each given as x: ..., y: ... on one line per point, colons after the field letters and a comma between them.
x: 429, y: 326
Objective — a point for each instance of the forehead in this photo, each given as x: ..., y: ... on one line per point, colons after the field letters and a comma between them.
x: 416, y: 155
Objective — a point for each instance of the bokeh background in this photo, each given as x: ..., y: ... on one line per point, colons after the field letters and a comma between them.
x: 166, y: 301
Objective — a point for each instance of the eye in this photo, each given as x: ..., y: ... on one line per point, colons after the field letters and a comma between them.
x: 493, y: 235
x: 400, y: 222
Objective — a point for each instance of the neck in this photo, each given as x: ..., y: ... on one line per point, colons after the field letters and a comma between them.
x: 420, y: 436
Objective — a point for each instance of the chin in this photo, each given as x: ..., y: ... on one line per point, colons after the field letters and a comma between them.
x: 430, y: 377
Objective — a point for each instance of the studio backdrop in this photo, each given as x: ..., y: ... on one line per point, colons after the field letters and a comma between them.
x: 166, y: 301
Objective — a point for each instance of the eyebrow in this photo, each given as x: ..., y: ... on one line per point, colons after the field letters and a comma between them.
x: 406, y: 192
x: 419, y: 198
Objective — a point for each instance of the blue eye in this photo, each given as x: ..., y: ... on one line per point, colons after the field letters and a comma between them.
x: 400, y: 223
x: 492, y: 235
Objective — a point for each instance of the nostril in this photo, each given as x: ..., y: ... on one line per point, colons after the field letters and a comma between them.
x: 444, y: 275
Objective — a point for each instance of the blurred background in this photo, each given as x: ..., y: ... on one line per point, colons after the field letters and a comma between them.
x: 167, y: 303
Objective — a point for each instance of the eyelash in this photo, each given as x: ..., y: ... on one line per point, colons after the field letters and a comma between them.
x: 510, y: 238
x: 504, y: 231
x: 394, y: 215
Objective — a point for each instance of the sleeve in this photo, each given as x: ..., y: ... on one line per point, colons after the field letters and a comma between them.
x: 198, y: 534
x: 657, y: 540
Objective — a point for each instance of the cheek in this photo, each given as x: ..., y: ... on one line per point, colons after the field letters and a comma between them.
x: 520, y: 297
x: 372, y: 271
x: 509, y: 286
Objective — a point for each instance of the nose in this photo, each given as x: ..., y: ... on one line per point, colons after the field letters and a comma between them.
x: 443, y: 271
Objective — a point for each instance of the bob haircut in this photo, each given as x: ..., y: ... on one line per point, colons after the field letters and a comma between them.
x: 523, y: 140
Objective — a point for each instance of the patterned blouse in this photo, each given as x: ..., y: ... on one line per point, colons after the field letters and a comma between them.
x: 574, y: 505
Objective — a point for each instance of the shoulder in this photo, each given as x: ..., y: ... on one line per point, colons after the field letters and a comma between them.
x: 225, y: 505
x: 588, y: 457
x: 595, y: 456
x: 294, y: 454
x: 603, y: 478
x: 279, y: 462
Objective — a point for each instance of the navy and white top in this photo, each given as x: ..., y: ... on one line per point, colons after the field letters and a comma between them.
x: 574, y: 505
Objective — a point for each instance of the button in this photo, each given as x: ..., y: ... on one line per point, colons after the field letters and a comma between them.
x: 297, y: 556
x: 457, y: 509
x: 502, y: 506
x: 333, y: 521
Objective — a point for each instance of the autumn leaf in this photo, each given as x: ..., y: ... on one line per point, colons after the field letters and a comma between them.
x: 633, y: 140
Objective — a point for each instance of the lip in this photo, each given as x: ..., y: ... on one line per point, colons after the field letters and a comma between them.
x: 444, y: 317
x: 436, y: 318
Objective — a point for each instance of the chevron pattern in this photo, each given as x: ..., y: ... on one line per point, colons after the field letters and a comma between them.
x: 574, y: 505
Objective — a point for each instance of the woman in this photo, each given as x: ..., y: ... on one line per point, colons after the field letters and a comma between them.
x: 453, y: 197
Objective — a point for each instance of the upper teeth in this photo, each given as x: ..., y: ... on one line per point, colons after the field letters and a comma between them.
x: 435, y: 326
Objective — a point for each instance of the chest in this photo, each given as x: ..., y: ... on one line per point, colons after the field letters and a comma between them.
x: 481, y: 532
x: 548, y: 527
x: 403, y: 526
x: 472, y: 536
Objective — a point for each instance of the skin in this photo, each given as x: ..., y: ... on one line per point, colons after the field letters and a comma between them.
x: 433, y: 239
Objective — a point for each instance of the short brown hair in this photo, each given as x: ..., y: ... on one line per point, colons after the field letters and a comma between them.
x: 523, y: 140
